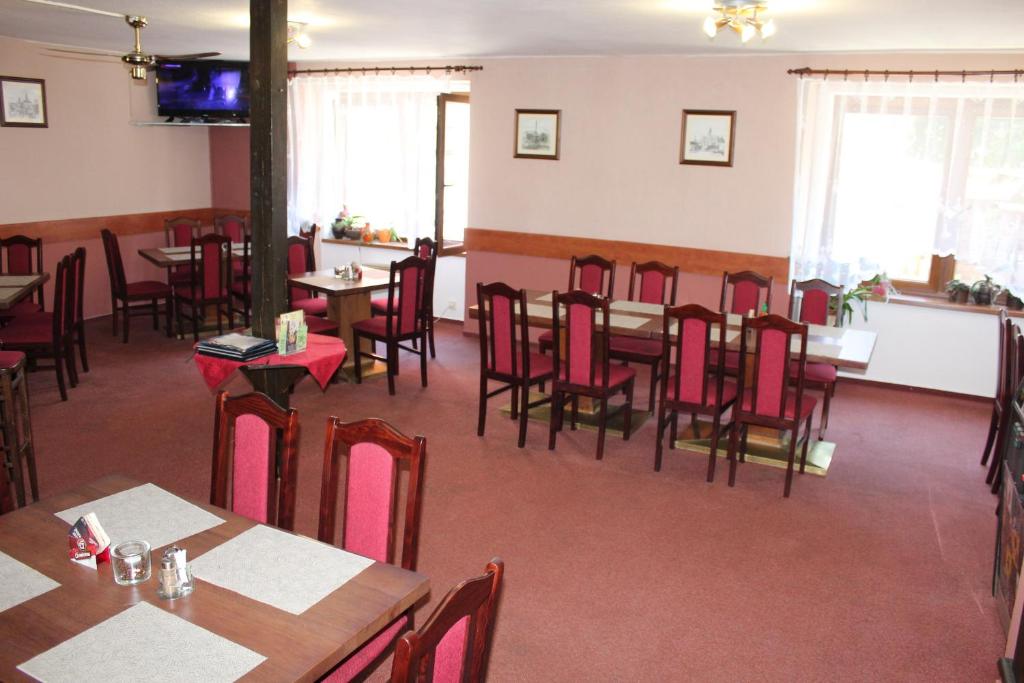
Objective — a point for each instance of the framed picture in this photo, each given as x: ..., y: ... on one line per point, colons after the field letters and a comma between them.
x: 707, y: 137
x: 22, y: 102
x: 538, y: 132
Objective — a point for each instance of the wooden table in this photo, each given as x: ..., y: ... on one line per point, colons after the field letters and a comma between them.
x: 348, y: 301
x: 297, y: 647
x: 16, y: 288
x: 168, y: 257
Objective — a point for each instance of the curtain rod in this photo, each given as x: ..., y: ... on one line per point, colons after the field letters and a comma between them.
x: 963, y: 74
x: 457, y: 68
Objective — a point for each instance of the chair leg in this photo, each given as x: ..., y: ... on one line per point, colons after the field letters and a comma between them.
x: 25, y: 419
x: 575, y: 412
x: 392, y: 353
x: 124, y: 322
x: 156, y: 314
x: 823, y: 424
x: 524, y: 412
x: 990, y: 440
x: 659, y: 443
x: 654, y: 387
x: 602, y: 424
x: 807, y: 440
x: 113, y: 315
x: 515, y: 401
x: 716, y: 424
x: 555, y: 423
x: 81, y: 347
x: 627, y: 421
x: 482, y: 416
x: 674, y: 435
x: 423, y: 359
x: 743, y: 444
x: 58, y: 363
x: 69, y: 360
x: 356, y: 360
x: 997, y: 455
x: 168, y: 311
x: 430, y: 336
x: 733, y: 442
x: 789, y: 461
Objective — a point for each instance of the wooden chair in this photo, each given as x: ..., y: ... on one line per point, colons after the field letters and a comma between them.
x: 147, y: 292
x: 210, y: 283
x: 234, y: 227
x: 410, y: 280
x: 766, y: 400
x: 241, y: 282
x: 6, y: 497
x: 24, y: 256
x: 582, y: 367
x: 747, y: 289
x: 246, y: 462
x: 505, y: 356
x: 1015, y: 350
x: 77, y: 311
x: 425, y: 248
x: 310, y: 234
x: 810, y: 302
x: 302, y: 260
x: 455, y: 642
x: 18, y: 446
x: 693, y: 384
x: 47, y: 335
x: 1003, y: 380
x: 373, y: 452
x: 587, y: 274
x: 180, y: 232
x: 650, y: 283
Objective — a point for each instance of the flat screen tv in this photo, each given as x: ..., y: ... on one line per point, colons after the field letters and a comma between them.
x: 203, y: 88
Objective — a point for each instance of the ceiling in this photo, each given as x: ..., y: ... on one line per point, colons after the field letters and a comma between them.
x: 425, y: 29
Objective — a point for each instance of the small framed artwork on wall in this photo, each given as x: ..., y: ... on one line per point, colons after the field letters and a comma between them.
x: 538, y: 133
x: 707, y: 137
x: 22, y: 102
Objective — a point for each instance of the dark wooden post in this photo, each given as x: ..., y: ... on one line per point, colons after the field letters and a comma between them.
x: 268, y: 81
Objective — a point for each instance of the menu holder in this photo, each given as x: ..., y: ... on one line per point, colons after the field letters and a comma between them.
x: 292, y: 333
x: 88, y: 543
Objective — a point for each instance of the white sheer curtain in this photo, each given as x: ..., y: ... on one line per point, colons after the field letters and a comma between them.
x: 367, y: 142
x: 889, y: 173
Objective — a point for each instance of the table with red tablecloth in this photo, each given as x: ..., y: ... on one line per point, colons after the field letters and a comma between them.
x: 322, y: 357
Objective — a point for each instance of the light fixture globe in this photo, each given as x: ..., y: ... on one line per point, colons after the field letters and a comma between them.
x: 745, y: 17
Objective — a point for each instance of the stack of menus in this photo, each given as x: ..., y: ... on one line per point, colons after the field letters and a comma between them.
x: 238, y: 347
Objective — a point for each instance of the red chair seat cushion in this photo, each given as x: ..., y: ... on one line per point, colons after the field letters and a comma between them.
x: 617, y: 374
x: 239, y: 288
x: 35, y: 328
x: 180, y: 279
x: 149, y: 288
x: 375, y: 327
x: 815, y: 372
x: 728, y: 391
x: 8, y: 359
x: 634, y: 346
x: 186, y: 294
x: 311, y: 306
x: 732, y: 359
x: 318, y: 325
x: 806, y: 405
x: 379, y: 304
x: 547, y: 336
x: 357, y: 662
x: 26, y: 307
x: 540, y: 365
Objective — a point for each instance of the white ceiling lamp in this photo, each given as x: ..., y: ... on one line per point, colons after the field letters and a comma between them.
x: 297, y: 34
x: 745, y: 17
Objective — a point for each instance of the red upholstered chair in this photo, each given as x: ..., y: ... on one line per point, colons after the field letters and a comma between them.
x: 810, y: 302
x: 425, y: 248
x: 245, y: 476
x: 766, y: 399
x: 210, y: 284
x: 582, y: 367
x: 147, y: 292
x: 241, y: 283
x: 24, y: 257
x: 505, y: 354
x: 590, y: 274
x: 649, y: 283
x: 405, y: 320
x: 180, y: 232
x: 455, y: 642
x: 310, y: 234
x: 1004, y: 371
x: 301, y: 260
x: 77, y: 310
x: 373, y: 452
x: 237, y: 229
x: 693, y: 384
x: 1015, y: 351
x: 748, y: 290
x: 6, y: 497
x: 49, y: 334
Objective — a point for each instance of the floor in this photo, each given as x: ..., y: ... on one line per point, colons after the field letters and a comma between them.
x: 614, y: 572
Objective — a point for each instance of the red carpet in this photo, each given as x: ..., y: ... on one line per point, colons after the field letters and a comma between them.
x: 614, y: 572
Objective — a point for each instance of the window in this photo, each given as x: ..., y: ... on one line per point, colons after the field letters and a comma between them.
x: 452, y: 186
x: 897, y: 178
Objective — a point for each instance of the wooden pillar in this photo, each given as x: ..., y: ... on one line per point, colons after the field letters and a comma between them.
x: 268, y: 80
x: 268, y: 137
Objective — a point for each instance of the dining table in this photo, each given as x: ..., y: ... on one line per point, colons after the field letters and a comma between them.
x: 268, y: 605
x: 844, y: 347
x: 168, y: 257
x: 16, y: 288
x: 348, y: 301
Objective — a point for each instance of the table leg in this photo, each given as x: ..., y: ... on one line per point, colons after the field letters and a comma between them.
x: 346, y: 309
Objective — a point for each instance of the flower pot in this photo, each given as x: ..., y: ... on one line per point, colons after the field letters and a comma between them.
x: 959, y: 296
x: 338, y: 231
x: 384, y: 235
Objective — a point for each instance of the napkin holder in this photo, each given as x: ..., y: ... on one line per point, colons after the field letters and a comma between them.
x: 88, y: 543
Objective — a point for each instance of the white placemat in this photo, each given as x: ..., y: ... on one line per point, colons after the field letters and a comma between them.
x: 538, y: 311
x: 19, y: 582
x: 630, y: 322
x: 145, y: 513
x: 637, y: 307
x: 283, y: 570
x: 142, y: 643
x: 544, y: 297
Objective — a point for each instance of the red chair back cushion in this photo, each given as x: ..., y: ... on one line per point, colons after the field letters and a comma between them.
x: 410, y: 298
x: 773, y: 359
x: 580, y: 333
x: 233, y: 229
x: 368, y: 497
x: 19, y: 259
x: 297, y: 264
x: 450, y: 653
x: 592, y: 279
x: 692, y: 361
x: 745, y: 295
x: 251, y: 468
x: 213, y: 282
x: 501, y: 332
x: 814, y: 307
x: 652, y: 287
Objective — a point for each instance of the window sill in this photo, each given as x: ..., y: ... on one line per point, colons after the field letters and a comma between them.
x: 943, y: 303
x: 450, y: 248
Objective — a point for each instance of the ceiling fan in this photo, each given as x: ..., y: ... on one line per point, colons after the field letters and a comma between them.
x: 139, y: 61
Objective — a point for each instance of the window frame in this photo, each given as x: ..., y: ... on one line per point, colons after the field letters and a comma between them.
x: 453, y: 247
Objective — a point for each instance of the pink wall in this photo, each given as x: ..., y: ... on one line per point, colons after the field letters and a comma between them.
x: 229, y: 167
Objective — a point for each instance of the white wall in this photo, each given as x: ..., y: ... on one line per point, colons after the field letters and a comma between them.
x: 449, y: 280
x: 932, y: 348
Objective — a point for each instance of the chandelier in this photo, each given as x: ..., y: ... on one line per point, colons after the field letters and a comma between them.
x: 745, y: 17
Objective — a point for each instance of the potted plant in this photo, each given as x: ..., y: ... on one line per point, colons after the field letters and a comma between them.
x: 1012, y: 302
x: 343, y: 226
x: 984, y: 291
x: 858, y: 294
x: 958, y: 291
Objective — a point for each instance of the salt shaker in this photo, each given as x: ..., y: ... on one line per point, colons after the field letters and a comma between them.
x: 175, y: 580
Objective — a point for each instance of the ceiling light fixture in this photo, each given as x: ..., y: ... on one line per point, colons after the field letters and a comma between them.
x: 745, y: 17
x: 297, y: 34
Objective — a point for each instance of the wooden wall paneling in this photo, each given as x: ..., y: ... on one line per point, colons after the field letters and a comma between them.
x: 74, y: 229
